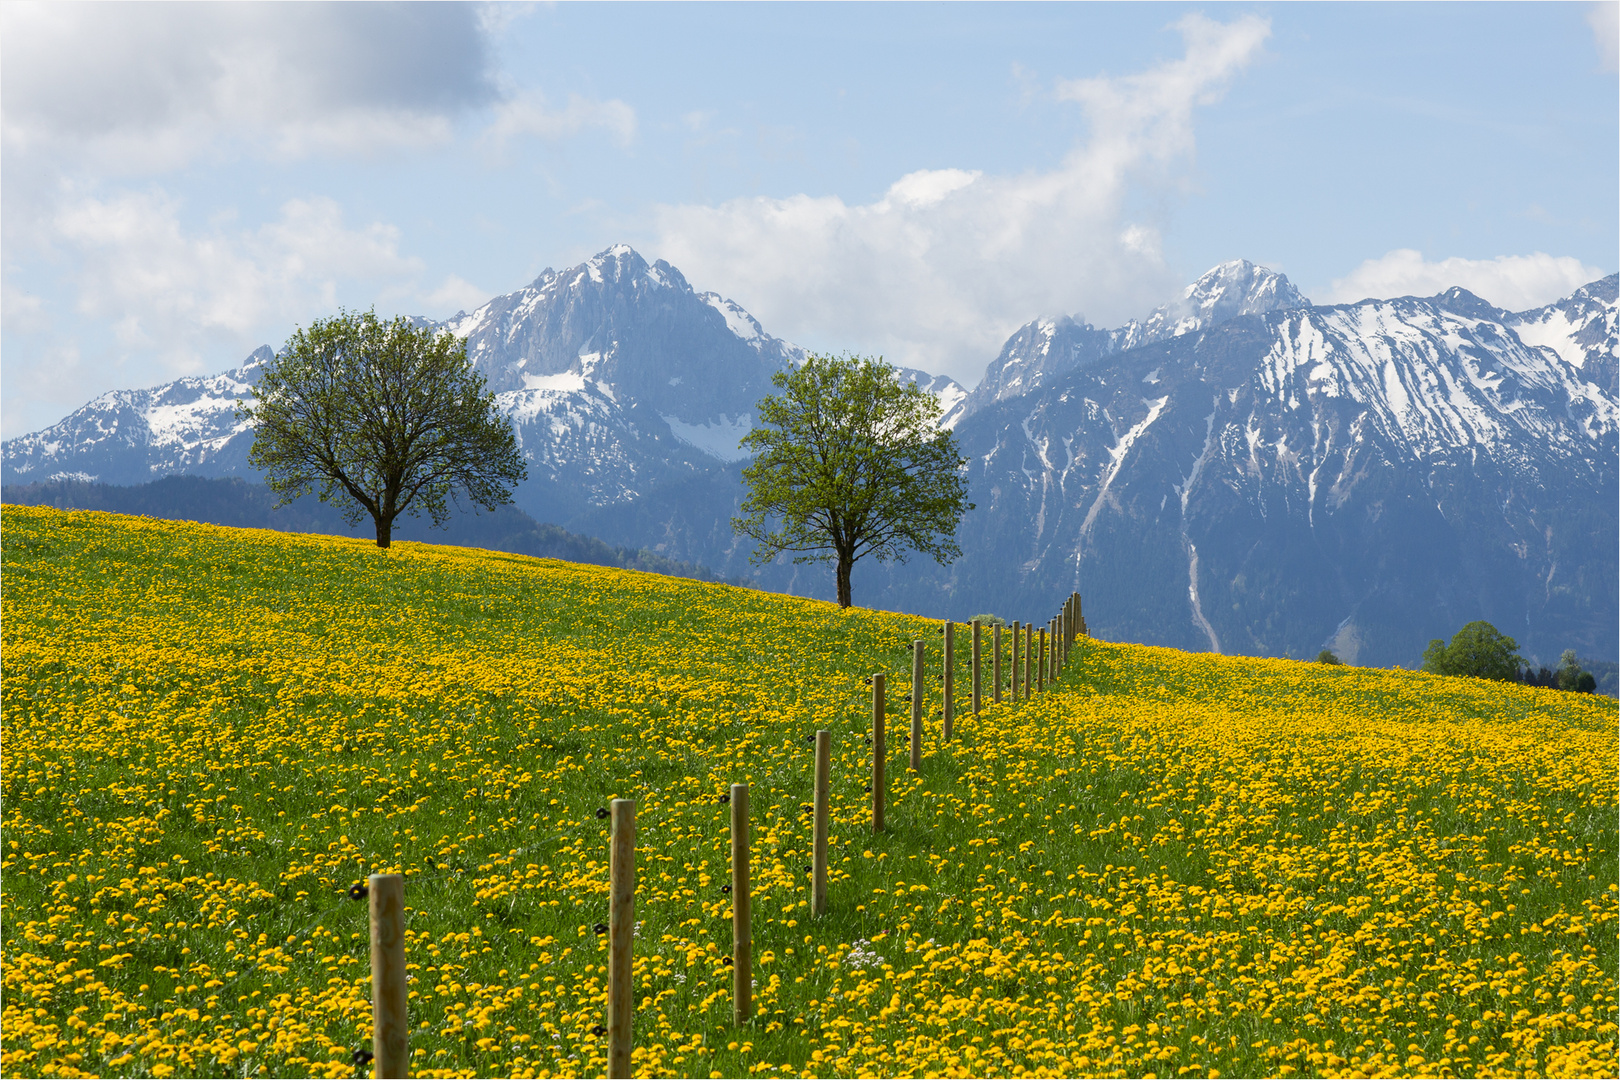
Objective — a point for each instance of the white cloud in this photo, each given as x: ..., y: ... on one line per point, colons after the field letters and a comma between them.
x: 170, y: 294
x: 1604, y: 18
x: 454, y: 295
x: 529, y: 114
x: 939, y: 270
x: 1511, y: 282
x: 142, y: 87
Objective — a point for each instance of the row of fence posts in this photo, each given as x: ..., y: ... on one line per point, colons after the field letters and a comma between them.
x: 1043, y: 653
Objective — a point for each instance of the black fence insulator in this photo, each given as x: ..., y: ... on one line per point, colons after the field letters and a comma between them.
x: 725, y: 889
x: 811, y: 739
x: 358, y: 891
x: 725, y: 798
x: 726, y: 961
x: 361, y: 1058
x: 600, y: 928
x: 601, y: 813
x: 598, y: 1031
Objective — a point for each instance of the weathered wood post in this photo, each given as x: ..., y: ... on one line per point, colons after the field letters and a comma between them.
x: 978, y: 685
x: 917, y: 696
x: 742, y: 940
x: 878, y: 752
x: 389, y: 1026
x: 1029, y: 661
x: 818, y: 878
x: 1042, y: 664
x: 1064, y: 616
x: 1057, y: 646
x: 1017, y: 636
x: 947, y: 716
x: 995, y: 674
x: 621, y: 936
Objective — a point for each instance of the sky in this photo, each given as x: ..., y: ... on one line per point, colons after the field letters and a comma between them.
x: 181, y: 183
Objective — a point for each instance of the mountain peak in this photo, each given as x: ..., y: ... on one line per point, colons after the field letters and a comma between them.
x: 1239, y: 287
x: 1460, y: 301
x: 617, y: 263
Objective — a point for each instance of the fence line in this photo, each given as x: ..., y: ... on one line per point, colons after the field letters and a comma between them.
x: 386, y: 892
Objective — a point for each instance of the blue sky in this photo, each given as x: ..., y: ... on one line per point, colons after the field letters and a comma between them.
x: 180, y: 184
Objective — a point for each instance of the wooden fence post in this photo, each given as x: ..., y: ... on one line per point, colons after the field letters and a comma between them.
x: 878, y: 752
x: 389, y: 1025
x: 1057, y: 646
x: 742, y: 940
x: 818, y: 880
x: 1017, y: 636
x: 995, y: 674
x: 621, y: 936
x: 917, y: 696
x: 977, y: 681
x: 946, y: 714
x: 1029, y: 661
x: 1042, y: 664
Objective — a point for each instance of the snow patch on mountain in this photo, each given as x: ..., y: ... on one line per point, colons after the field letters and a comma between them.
x: 719, y: 438
x: 738, y: 321
x: 565, y: 381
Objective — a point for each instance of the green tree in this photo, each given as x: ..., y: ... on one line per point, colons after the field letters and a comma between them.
x: 1327, y: 656
x: 849, y: 462
x: 385, y: 418
x: 1571, y: 677
x: 1478, y: 649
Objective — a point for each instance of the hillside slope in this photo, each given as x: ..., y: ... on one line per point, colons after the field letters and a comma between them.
x: 1170, y: 862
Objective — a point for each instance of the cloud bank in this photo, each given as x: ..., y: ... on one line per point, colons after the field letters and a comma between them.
x: 937, y: 272
x: 143, y: 87
x: 1511, y: 282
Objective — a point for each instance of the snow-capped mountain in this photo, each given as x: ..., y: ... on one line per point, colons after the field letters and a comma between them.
x: 1363, y: 476
x: 1256, y: 474
x: 1041, y: 351
x: 618, y: 376
x: 132, y: 436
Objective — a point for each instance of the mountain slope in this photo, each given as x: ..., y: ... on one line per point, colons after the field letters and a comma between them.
x: 1365, y: 476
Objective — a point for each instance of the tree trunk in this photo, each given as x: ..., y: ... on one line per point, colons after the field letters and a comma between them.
x: 385, y: 531
x: 846, y: 563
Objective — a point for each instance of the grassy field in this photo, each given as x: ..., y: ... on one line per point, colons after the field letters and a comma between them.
x: 1172, y: 864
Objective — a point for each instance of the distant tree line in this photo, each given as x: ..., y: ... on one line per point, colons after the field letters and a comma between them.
x: 1481, y: 651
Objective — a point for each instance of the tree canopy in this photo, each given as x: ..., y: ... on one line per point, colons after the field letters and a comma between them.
x: 1478, y: 649
x: 849, y: 462
x: 386, y: 418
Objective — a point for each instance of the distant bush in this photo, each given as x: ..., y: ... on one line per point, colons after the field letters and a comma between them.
x: 1326, y: 657
x: 1570, y: 675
